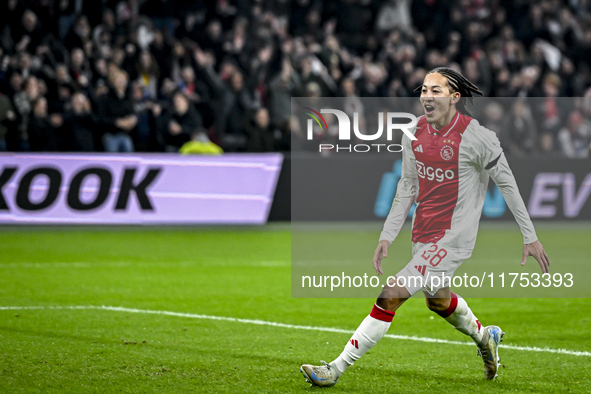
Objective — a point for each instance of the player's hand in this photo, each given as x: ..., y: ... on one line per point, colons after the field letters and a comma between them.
x: 380, y: 253
x: 537, y: 250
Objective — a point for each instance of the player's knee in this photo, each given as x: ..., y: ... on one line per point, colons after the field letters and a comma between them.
x: 437, y: 305
x: 391, y: 291
x: 391, y: 298
x: 389, y: 304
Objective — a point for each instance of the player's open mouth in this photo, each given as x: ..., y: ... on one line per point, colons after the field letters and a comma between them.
x: 429, y: 109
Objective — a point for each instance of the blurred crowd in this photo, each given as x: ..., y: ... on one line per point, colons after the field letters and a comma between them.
x: 154, y: 75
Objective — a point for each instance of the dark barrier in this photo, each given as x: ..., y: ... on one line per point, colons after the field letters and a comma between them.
x: 281, y: 206
x: 361, y: 187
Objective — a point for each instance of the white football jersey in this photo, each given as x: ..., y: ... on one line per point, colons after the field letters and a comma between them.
x: 446, y: 172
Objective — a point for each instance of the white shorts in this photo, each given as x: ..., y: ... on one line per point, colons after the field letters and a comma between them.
x: 432, y: 267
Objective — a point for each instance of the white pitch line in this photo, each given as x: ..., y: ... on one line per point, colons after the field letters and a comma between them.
x: 83, y: 264
x: 285, y: 325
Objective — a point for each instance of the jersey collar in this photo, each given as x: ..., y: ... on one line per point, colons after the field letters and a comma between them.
x: 445, y: 130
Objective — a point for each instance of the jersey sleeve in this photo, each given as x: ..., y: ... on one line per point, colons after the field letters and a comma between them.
x: 406, y: 193
x: 488, y: 155
x: 486, y: 147
x: 503, y: 177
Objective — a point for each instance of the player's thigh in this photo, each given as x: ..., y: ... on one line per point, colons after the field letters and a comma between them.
x: 430, y: 269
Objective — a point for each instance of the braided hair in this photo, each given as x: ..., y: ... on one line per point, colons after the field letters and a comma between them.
x: 458, y: 83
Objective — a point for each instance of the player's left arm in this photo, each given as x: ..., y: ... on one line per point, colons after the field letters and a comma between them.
x: 493, y: 160
x: 503, y: 177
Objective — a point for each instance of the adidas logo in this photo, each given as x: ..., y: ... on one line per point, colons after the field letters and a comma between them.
x: 354, y: 343
x: 421, y: 269
x: 419, y: 149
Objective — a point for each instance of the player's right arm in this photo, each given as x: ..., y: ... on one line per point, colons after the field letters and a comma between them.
x: 406, y: 193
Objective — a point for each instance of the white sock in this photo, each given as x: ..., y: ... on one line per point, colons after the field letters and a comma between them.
x: 461, y: 317
x: 369, y: 332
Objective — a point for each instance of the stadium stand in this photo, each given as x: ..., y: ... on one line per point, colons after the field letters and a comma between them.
x: 237, y: 63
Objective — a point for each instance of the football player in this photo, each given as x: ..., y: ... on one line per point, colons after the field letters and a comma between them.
x: 445, y: 171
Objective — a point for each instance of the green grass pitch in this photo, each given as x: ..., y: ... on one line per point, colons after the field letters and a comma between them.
x: 245, y: 273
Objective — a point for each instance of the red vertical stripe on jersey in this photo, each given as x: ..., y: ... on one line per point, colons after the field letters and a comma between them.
x: 437, y: 162
x: 382, y: 314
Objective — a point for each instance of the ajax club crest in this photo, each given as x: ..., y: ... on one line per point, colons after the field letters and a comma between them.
x: 447, y: 152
